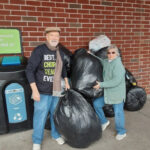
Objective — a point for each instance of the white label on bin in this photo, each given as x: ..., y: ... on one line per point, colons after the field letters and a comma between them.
x: 14, y: 91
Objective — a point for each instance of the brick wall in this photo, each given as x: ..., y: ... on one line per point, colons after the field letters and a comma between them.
x: 125, y: 22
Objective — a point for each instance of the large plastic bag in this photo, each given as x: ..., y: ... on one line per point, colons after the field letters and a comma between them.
x: 86, y: 70
x: 130, y: 80
x: 102, y: 53
x: 76, y: 120
x: 99, y: 42
x: 67, y: 58
x: 108, y: 110
x: 47, y: 124
x: 136, y: 98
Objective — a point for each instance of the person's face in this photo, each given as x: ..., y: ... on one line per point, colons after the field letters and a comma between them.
x: 53, y: 38
x: 111, y: 54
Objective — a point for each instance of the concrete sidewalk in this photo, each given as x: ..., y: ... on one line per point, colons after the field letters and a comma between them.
x: 138, y: 136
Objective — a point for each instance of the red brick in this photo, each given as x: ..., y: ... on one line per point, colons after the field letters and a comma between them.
x: 36, y: 34
x: 19, y: 23
x: 83, y: 30
x: 48, y: 4
x: 48, y: 14
x: 5, y: 23
x: 44, y: 19
x: 42, y: 9
x: 63, y: 25
x: 71, y: 20
x: 2, y: 17
x: 83, y: 11
x: 99, y: 25
x: 4, y: 1
x: 95, y: 2
x: 13, y: 17
x: 114, y: 4
x: 1, y: 6
x: 19, y: 13
x: 4, y: 12
x: 99, y: 7
x: 75, y: 16
x: 30, y: 39
x: 71, y: 39
x: 57, y: 0
x: 127, y: 5
x: 51, y: 24
x: 84, y: 20
x: 34, y: 24
x: 83, y: 1
x: 75, y: 6
x: 71, y: 11
x: 12, y: 7
x: 62, y: 15
x: 28, y: 8
x: 27, y: 29
x: 71, y: 30
x: 58, y: 10
x: 87, y: 25
x: 27, y: 54
x: 76, y: 34
x: 58, y: 19
x: 95, y: 11
x: 70, y: 1
x: 32, y: 13
x: 87, y: 6
x: 20, y: 2
x: 95, y: 21
x: 33, y: 3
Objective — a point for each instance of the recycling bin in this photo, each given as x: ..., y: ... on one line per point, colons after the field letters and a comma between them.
x: 16, y: 105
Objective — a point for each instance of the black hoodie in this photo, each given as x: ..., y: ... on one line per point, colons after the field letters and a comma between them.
x: 41, y: 68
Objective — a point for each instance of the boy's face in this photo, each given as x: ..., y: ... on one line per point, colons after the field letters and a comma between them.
x: 53, y: 38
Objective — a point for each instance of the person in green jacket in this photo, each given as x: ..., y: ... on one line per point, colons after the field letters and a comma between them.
x: 114, y: 91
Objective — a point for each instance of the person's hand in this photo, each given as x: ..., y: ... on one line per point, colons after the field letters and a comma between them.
x: 67, y: 86
x: 36, y: 95
x: 97, y: 86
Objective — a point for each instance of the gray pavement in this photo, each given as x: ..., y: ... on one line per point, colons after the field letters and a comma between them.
x: 138, y: 136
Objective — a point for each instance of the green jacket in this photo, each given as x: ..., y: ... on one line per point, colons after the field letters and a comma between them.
x: 114, y: 81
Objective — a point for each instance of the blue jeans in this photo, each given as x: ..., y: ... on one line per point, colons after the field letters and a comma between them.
x: 119, y: 114
x: 46, y: 104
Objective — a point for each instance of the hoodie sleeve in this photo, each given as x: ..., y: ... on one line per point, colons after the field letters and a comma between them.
x: 33, y: 64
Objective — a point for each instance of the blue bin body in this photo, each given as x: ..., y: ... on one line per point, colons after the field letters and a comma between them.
x: 15, y: 103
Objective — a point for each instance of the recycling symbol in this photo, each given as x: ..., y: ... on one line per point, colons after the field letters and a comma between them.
x: 18, y: 117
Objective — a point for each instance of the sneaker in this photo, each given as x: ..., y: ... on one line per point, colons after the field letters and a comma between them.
x: 36, y: 147
x: 105, y: 125
x: 60, y: 141
x: 120, y: 136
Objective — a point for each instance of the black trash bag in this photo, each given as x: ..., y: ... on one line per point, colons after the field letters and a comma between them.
x: 102, y: 53
x: 130, y: 80
x: 76, y: 120
x: 67, y: 58
x: 86, y: 70
x: 108, y: 110
x: 135, y: 99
